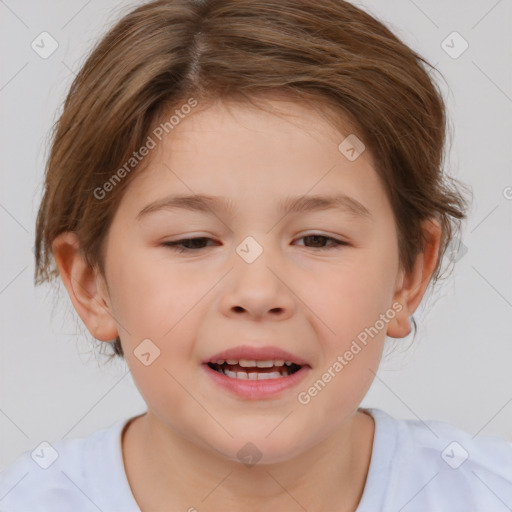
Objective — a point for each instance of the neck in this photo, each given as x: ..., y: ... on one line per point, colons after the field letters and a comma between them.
x: 165, y: 469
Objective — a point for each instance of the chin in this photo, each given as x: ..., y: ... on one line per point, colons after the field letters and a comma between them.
x: 257, y: 449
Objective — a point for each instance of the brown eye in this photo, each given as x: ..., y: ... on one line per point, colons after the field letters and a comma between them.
x: 184, y: 244
x: 318, y: 241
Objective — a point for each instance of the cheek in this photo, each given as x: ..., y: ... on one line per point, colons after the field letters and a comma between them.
x: 353, y: 341
x: 357, y: 311
x: 153, y: 296
x: 356, y: 294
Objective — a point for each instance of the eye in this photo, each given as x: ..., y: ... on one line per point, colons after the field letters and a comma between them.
x: 195, y: 244
x: 178, y: 245
x: 318, y: 239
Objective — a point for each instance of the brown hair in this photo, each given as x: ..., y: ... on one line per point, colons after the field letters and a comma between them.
x: 327, y: 53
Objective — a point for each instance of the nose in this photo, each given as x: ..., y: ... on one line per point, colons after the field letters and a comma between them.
x: 258, y: 290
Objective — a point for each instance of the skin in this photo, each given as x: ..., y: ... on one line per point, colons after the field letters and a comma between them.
x: 309, y: 300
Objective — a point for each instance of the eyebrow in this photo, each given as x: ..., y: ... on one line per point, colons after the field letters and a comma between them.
x: 297, y: 204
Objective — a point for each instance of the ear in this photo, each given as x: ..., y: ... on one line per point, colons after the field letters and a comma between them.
x: 411, y: 286
x: 86, y: 287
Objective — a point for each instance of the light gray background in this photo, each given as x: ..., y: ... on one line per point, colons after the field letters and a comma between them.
x: 459, y: 369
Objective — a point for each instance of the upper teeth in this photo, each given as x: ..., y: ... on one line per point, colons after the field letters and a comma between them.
x: 255, y: 364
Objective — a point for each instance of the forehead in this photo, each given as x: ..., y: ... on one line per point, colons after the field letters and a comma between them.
x: 247, y: 154
x: 292, y: 120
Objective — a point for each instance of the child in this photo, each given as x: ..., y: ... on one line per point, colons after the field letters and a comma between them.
x: 302, y: 143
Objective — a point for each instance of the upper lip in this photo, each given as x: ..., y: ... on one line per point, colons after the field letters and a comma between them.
x: 251, y: 353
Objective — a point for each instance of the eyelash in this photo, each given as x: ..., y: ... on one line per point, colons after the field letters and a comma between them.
x: 176, y: 246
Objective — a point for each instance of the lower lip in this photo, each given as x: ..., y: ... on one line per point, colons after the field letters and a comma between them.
x: 256, y: 389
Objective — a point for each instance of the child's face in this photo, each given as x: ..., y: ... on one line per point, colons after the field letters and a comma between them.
x: 305, y: 296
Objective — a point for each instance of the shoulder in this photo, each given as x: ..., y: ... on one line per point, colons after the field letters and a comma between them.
x: 64, y: 475
x: 439, y: 465
x: 437, y: 442
x: 46, y: 478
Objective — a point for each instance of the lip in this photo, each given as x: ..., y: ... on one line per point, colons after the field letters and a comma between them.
x: 256, y: 389
x: 257, y: 353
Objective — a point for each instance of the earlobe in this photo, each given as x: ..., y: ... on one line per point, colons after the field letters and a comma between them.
x: 411, y: 286
x: 84, y: 286
x: 399, y: 326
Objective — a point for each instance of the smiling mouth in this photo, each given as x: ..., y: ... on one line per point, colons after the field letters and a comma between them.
x: 254, y: 370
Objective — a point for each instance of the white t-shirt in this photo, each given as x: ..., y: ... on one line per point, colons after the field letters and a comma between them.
x: 415, y: 467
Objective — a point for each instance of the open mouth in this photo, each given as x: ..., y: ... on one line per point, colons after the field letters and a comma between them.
x: 244, y: 369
